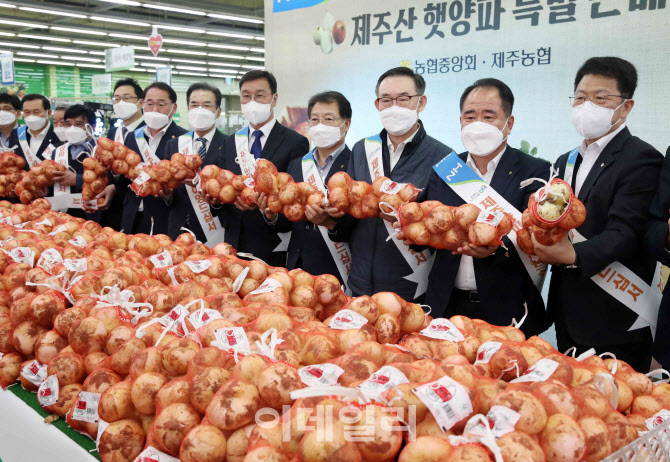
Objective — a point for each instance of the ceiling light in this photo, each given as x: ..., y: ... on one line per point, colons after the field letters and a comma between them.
x: 221, y: 71
x: 53, y: 12
x: 257, y: 50
x: 175, y: 9
x: 38, y: 55
x: 225, y: 56
x: 192, y: 73
x: 228, y: 47
x: 262, y: 39
x: 96, y: 66
x: 123, y: 2
x: 189, y: 61
x: 79, y: 31
x: 42, y: 37
x: 80, y: 58
x: 97, y: 44
x: 223, y: 64
x: 246, y: 66
x: 182, y: 29
x: 23, y: 60
x: 120, y: 21
x: 186, y: 52
x: 7, y: 5
x: 99, y: 53
x: 184, y: 42
x: 253, y: 58
x: 23, y: 23
x: 228, y: 34
x: 154, y: 58
x: 129, y: 36
x: 235, y: 18
x: 18, y: 45
x: 58, y: 63
x: 65, y: 50
x: 191, y: 68
x: 7, y: 34
x: 152, y: 64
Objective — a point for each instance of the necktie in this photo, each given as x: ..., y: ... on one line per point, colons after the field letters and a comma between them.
x: 202, y: 150
x: 124, y: 131
x: 256, y: 147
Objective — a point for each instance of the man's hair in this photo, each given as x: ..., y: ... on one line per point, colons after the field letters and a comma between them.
x: 60, y: 108
x: 130, y: 83
x: 327, y: 97
x: 6, y: 98
x: 165, y: 87
x: 36, y: 96
x: 205, y: 87
x: 419, y: 82
x: 258, y: 74
x: 611, y: 67
x: 77, y: 110
x: 504, y: 91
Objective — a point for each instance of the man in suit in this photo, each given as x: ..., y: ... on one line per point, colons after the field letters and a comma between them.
x: 657, y: 240
x: 310, y: 248
x: 38, y: 135
x: 10, y: 111
x: 128, y: 100
x: 404, y: 153
x: 141, y: 214
x: 489, y: 283
x: 59, y: 123
x: 615, y: 175
x: 245, y: 226
x: 187, y: 209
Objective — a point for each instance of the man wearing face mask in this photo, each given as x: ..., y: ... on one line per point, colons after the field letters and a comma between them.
x: 59, y: 123
x: 489, y: 283
x: 37, y: 139
x: 404, y: 153
x: 246, y: 229
x: 310, y: 248
x: 140, y: 215
x: 615, y: 175
x: 79, y: 122
x: 127, y: 102
x: 188, y: 208
x: 10, y: 111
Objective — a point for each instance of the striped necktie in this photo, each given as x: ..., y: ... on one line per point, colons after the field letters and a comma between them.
x: 202, y: 150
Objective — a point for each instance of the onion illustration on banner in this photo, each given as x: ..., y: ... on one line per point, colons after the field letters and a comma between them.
x: 155, y: 41
x: 330, y: 33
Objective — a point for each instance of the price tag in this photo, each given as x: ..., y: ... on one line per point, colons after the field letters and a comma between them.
x: 540, y: 372
x: 443, y: 329
x: 391, y: 187
x: 490, y: 218
x: 320, y: 374
x: 201, y: 317
x: 151, y: 454
x: 347, y: 319
x: 269, y: 285
x: 657, y: 419
x: 74, y: 265
x: 90, y: 205
x: 142, y: 178
x: 447, y: 400
x: 48, y: 259
x: 47, y: 394
x: 34, y: 372
x: 161, y: 260
x: 86, y: 407
x: 198, y: 266
x: 486, y: 350
x: 501, y: 421
x: 382, y: 380
x: 232, y: 338
x: 79, y: 241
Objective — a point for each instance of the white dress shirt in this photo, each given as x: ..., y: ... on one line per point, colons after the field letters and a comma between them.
x: 36, y: 141
x: 590, y: 155
x: 133, y: 126
x: 330, y: 160
x: 266, y: 129
x: 395, y: 153
x: 465, y: 277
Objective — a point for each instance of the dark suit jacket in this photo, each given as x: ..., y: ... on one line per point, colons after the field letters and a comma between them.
x: 154, y: 207
x: 112, y: 216
x: 655, y: 240
x: 247, y: 231
x: 50, y: 138
x: 616, y: 193
x: 181, y: 203
x: 307, y: 249
x: 503, y: 284
x: 78, y: 167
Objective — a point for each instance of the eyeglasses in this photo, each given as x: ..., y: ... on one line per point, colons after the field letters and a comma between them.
x: 160, y: 105
x: 403, y: 100
x: 600, y: 100
x: 209, y: 107
x: 258, y: 97
x: 127, y: 99
x: 331, y: 121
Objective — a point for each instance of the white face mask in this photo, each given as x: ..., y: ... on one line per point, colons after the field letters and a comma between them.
x: 156, y: 120
x: 201, y: 118
x: 7, y: 118
x: 124, y: 110
x: 324, y: 136
x: 593, y: 121
x: 256, y: 113
x: 481, y: 139
x: 60, y: 133
x: 35, y: 122
x: 76, y: 135
x: 399, y: 120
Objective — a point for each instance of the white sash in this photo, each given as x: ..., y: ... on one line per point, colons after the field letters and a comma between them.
x: 210, y: 225
x: 31, y: 158
x: 470, y: 187
x: 338, y: 250
x: 63, y: 199
x: 622, y: 283
x: 147, y: 154
x: 420, y: 262
x: 244, y: 158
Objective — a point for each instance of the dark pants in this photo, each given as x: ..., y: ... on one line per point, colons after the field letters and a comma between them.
x: 465, y: 303
x: 638, y: 355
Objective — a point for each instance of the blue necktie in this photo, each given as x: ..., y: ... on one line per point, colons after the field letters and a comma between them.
x: 257, y: 148
x: 202, y: 150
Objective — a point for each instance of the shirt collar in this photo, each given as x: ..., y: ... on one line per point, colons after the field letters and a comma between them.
x: 490, y: 167
x: 77, y: 149
x: 600, y: 144
x: 133, y: 126
x: 266, y: 129
x: 209, y: 136
x: 389, y: 144
x: 333, y: 155
x: 147, y: 131
x: 43, y: 133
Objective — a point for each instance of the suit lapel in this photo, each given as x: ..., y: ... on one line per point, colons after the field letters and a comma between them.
x: 274, y: 140
x: 506, y: 171
x: 604, y: 160
x: 215, y: 149
x: 340, y: 163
